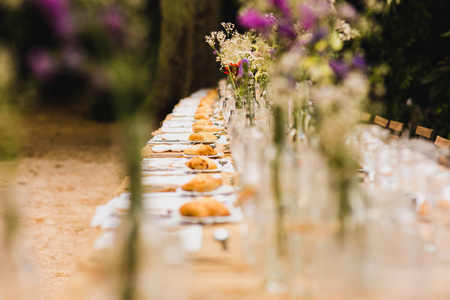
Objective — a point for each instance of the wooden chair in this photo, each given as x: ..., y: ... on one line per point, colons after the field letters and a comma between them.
x: 424, y: 132
x: 381, y: 121
x: 396, y: 128
x: 442, y: 142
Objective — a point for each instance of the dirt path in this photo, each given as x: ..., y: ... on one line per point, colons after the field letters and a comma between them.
x: 70, y: 166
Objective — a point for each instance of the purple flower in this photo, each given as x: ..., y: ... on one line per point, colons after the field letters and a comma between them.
x: 308, y: 16
x: 346, y: 11
x: 114, y: 22
x: 319, y: 34
x: 339, y: 68
x: 215, y: 52
x: 287, y: 31
x: 244, y: 69
x: 41, y: 63
x: 273, y: 52
x: 245, y: 64
x: 359, y: 62
x: 59, y: 17
x: 255, y: 20
x: 283, y: 6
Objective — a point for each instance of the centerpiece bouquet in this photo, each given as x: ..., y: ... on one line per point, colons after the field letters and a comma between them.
x: 320, y: 72
x: 245, y: 58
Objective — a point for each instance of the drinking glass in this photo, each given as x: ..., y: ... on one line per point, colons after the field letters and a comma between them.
x: 227, y: 106
x: 237, y: 121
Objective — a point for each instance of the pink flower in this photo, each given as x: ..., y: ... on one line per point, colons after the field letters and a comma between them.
x: 308, y: 16
x: 41, y: 63
x: 283, y: 6
x: 255, y: 20
x: 60, y: 20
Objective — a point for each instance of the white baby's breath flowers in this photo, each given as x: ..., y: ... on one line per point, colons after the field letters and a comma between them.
x: 210, y: 40
x: 345, y: 31
x: 220, y: 36
x: 233, y: 46
x: 229, y: 27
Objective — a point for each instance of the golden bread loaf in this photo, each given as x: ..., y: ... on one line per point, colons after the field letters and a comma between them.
x: 204, y: 207
x: 202, y: 183
x: 205, y: 109
x: 200, y: 150
x: 205, y: 128
x: 202, y: 122
x: 202, y: 137
x: 201, y: 116
x: 201, y: 163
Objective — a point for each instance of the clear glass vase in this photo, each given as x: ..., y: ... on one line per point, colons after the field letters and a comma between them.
x: 276, y: 192
x: 312, y: 223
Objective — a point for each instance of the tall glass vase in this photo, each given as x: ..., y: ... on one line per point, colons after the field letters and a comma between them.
x: 276, y: 193
x: 327, y: 248
x: 312, y: 223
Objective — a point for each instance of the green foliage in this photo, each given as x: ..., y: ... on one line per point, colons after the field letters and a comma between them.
x: 414, y: 46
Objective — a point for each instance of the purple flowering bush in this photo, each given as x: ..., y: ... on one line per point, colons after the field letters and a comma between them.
x: 79, y: 49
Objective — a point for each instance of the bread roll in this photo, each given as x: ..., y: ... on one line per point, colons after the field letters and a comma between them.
x: 201, y: 116
x: 204, y: 207
x: 202, y: 183
x: 200, y: 150
x: 202, y: 122
x: 205, y: 128
x: 201, y: 163
x: 202, y: 137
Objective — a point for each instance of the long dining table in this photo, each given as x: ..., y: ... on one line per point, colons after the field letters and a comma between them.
x: 208, y: 269
x: 213, y: 272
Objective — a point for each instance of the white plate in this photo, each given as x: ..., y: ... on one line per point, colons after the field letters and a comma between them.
x: 206, y: 143
x: 166, y: 148
x: 223, y: 189
x: 220, y: 154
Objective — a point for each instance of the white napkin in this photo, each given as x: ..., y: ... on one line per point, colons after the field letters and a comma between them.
x: 171, y: 137
x: 182, y: 137
x: 184, y: 114
x: 184, y: 119
x: 178, y: 124
x: 166, y: 148
x: 106, y: 240
x: 185, y: 109
x: 106, y: 217
x: 176, y: 129
x: 166, y: 180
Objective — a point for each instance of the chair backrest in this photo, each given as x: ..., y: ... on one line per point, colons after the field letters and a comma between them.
x: 442, y: 142
x: 381, y: 121
x: 424, y: 132
x: 365, y: 117
x: 396, y: 128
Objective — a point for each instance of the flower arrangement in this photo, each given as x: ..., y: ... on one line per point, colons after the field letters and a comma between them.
x: 315, y: 48
x: 242, y: 57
